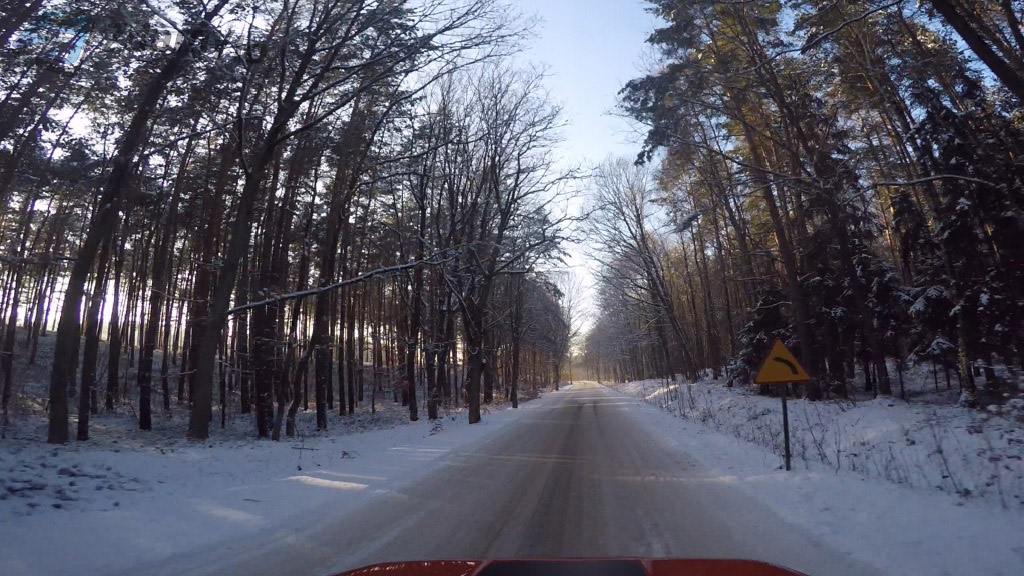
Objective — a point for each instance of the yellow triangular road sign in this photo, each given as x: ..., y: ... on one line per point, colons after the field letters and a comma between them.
x: 780, y: 366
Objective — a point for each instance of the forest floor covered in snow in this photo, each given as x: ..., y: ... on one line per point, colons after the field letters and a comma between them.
x: 125, y: 498
x: 28, y: 417
x: 928, y: 442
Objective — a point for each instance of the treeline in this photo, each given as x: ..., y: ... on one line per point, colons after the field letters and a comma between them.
x: 845, y: 176
x: 258, y: 207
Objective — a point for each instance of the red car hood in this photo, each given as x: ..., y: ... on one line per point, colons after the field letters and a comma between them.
x: 603, y: 567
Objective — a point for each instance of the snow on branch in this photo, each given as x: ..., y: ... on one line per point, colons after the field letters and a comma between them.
x: 432, y: 261
x: 934, y: 178
x: 814, y: 41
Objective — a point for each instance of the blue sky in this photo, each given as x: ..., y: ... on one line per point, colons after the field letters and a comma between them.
x: 592, y: 48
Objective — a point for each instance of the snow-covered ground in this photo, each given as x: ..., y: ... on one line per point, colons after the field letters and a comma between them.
x: 123, y: 501
x: 929, y: 443
x: 898, y: 529
x: 123, y: 498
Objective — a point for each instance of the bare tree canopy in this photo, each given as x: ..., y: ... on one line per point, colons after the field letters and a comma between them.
x: 293, y: 203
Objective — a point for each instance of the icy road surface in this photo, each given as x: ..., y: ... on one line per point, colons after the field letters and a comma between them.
x: 585, y: 475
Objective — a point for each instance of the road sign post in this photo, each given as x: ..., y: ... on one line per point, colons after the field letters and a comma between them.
x: 781, y: 367
x: 785, y: 422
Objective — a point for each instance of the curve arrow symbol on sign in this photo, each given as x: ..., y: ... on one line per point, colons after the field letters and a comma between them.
x: 792, y: 367
x: 780, y: 367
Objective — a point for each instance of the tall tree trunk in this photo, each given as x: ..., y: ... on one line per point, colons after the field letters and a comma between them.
x: 165, y: 385
x: 241, y: 229
x: 474, y: 363
x: 416, y: 314
x: 159, y: 283
x: 303, y: 368
x: 92, y: 343
x: 115, y: 191
x: 7, y: 354
x: 789, y: 264
x: 243, y: 361
x: 114, y: 335
x: 353, y: 361
x: 488, y: 366
x: 266, y: 348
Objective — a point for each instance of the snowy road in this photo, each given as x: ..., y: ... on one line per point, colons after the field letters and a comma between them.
x: 584, y: 476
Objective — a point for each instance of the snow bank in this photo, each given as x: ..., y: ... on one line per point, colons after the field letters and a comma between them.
x: 120, y: 500
x: 898, y: 529
x: 937, y: 446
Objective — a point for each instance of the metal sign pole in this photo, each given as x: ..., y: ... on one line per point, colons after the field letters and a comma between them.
x: 785, y: 421
x: 781, y: 367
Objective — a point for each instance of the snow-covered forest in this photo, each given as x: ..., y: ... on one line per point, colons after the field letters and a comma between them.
x: 297, y: 286
x: 226, y: 208
x: 845, y: 176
